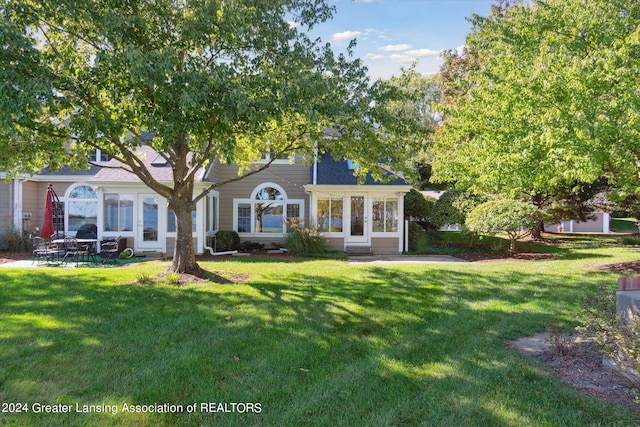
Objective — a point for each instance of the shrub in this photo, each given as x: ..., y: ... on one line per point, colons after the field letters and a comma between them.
x: 619, y: 340
x: 303, y: 240
x: 250, y: 246
x: 417, y: 238
x: 630, y: 240
x: 453, y: 206
x: 502, y: 215
x: 227, y: 240
x: 417, y: 206
x: 15, y: 241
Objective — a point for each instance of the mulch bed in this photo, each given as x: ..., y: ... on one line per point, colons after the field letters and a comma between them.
x: 581, y: 367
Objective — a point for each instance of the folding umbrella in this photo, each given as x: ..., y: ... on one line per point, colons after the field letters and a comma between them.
x: 48, y: 228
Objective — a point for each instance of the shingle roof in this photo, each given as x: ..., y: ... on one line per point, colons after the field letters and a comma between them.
x: 336, y: 172
x: 159, y: 169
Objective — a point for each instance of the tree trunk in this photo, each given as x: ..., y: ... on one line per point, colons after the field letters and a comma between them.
x: 536, y: 230
x: 184, y: 256
x: 512, y: 245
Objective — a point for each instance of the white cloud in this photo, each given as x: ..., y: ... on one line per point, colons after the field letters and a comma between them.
x: 293, y: 24
x: 374, y: 57
x: 395, y: 47
x: 402, y: 58
x: 345, y: 35
x: 424, y: 52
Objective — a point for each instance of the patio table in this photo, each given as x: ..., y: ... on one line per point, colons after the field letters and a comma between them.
x: 90, y: 243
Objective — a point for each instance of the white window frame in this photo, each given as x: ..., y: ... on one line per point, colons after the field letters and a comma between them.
x: 68, y: 201
x: 343, y: 199
x: 285, y: 201
x: 398, y: 219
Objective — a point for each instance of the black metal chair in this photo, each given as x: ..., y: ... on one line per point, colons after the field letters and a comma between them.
x: 73, y: 249
x: 44, y: 251
x: 110, y: 250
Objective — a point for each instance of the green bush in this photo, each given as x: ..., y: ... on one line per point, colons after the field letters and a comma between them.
x: 417, y: 238
x: 630, y: 240
x: 502, y: 216
x: 417, y: 206
x: 303, y: 240
x: 15, y: 241
x: 227, y: 240
x: 453, y: 206
x: 249, y: 246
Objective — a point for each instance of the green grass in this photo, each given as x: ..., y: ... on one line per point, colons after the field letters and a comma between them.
x: 624, y: 225
x: 314, y: 342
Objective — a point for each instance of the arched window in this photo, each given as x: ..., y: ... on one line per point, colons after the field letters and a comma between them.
x: 268, y: 210
x: 82, y: 202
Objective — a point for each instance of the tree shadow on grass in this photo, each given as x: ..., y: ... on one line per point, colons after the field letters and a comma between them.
x: 380, y: 346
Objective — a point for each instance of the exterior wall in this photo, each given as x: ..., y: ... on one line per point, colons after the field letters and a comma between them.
x: 335, y: 244
x: 384, y: 245
x: 6, y: 205
x: 33, y: 199
x: 590, y: 226
x: 598, y: 225
x: 291, y: 177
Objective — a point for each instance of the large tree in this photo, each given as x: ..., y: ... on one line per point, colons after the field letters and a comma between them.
x: 543, y: 99
x: 196, y: 80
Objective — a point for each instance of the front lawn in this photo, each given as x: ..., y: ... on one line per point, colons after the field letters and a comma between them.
x: 296, y: 343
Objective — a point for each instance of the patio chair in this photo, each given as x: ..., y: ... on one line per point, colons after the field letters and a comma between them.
x: 73, y: 249
x: 44, y: 251
x: 110, y: 250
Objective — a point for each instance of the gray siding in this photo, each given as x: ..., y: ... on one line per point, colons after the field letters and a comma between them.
x: 6, y: 206
x: 335, y: 243
x: 290, y: 177
x: 384, y: 245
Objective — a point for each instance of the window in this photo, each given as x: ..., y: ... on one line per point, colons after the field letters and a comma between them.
x: 82, y: 207
x: 267, y: 211
x: 385, y: 215
x: 244, y: 218
x: 279, y: 158
x: 329, y: 214
x: 118, y: 212
x: 171, y: 220
x: 99, y: 156
x: 293, y: 214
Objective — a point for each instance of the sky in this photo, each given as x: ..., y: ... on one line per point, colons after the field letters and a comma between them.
x: 391, y: 34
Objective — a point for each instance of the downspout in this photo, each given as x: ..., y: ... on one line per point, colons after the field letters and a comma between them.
x: 314, y: 178
x: 17, y: 203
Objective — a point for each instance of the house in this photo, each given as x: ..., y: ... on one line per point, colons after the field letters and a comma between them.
x: 351, y: 216
x: 598, y: 222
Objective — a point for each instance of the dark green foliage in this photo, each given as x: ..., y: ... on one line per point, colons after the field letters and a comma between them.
x: 227, y: 240
x: 250, y: 246
x: 417, y: 238
x: 417, y: 206
x: 453, y: 206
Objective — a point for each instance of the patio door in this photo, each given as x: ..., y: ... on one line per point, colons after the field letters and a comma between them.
x: 148, y: 236
x: 358, y: 222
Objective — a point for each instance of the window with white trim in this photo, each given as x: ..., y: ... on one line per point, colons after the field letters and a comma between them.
x: 329, y: 214
x: 118, y: 212
x: 384, y: 214
x: 267, y: 211
x: 99, y: 156
x: 82, y: 207
x: 171, y: 220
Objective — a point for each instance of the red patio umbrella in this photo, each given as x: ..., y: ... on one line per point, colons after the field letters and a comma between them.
x: 48, y: 228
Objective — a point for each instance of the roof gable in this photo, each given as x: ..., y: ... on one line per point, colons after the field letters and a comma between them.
x: 339, y: 172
